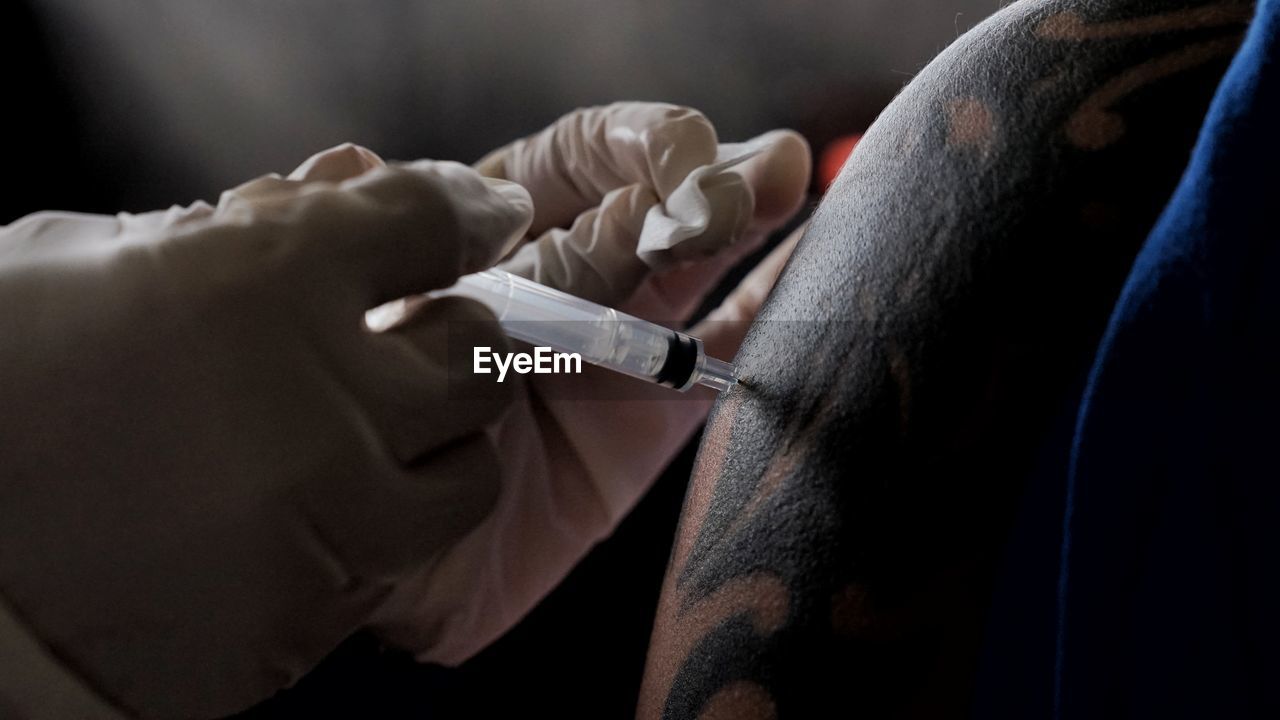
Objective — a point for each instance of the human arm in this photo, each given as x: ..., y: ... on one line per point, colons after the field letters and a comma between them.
x: 840, y: 533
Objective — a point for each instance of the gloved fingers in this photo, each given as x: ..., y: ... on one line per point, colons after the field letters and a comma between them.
x: 612, y: 249
x: 674, y: 294
x: 724, y: 328
x: 777, y: 172
x: 417, y: 381
x: 243, y: 199
x: 149, y: 222
x: 388, y: 232
x: 337, y: 164
x: 570, y: 166
x: 318, y: 172
x: 380, y: 527
x: 433, y: 222
x: 594, y: 259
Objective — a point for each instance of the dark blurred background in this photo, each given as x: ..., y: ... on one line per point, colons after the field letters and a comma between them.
x: 139, y: 105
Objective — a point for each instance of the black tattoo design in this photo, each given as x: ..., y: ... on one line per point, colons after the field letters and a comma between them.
x: 839, y: 537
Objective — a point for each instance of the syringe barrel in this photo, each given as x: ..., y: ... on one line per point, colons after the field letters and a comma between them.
x: 542, y: 316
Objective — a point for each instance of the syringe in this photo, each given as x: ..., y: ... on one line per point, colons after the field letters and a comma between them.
x: 545, y: 317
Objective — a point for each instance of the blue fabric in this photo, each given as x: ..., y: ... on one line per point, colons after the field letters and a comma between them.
x: 1169, y: 592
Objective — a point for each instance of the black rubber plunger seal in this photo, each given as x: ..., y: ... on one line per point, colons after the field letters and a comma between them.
x: 682, y: 360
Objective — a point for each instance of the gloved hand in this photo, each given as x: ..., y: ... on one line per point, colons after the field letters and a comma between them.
x: 634, y: 208
x: 212, y: 471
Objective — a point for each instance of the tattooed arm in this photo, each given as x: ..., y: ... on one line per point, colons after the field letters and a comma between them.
x: 838, y: 540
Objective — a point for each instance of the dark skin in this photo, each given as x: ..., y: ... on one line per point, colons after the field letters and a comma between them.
x: 840, y: 536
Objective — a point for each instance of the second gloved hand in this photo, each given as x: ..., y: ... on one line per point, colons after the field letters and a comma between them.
x: 212, y: 471
x: 637, y: 206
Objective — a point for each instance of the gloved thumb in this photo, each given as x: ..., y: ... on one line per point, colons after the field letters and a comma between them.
x: 778, y: 174
x: 724, y: 328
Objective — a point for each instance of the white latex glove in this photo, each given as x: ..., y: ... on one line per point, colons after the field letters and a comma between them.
x: 212, y: 471
x: 633, y: 210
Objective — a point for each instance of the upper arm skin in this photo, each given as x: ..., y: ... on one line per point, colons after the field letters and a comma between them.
x: 838, y: 539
